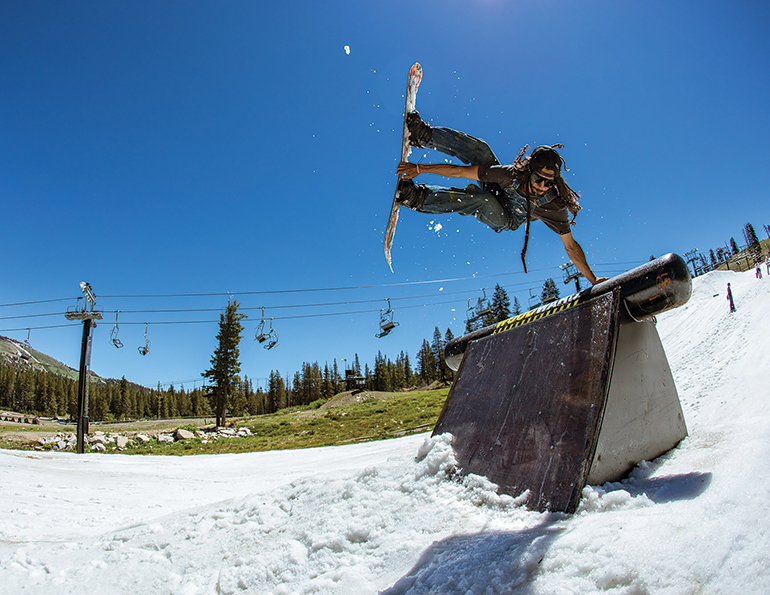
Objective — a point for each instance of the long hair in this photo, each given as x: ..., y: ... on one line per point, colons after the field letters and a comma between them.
x: 544, y: 156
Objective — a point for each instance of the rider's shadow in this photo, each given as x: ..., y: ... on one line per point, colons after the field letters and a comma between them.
x: 461, y: 564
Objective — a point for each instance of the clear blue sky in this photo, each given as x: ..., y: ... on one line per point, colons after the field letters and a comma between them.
x: 175, y: 148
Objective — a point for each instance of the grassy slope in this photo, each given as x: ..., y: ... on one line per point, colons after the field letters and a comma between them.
x: 371, y: 420
x: 386, y: 416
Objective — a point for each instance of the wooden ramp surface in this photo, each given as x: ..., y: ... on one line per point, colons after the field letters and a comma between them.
x: 527, y: 404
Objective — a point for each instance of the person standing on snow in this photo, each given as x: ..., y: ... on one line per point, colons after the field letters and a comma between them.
x: 508, y: 195
x: 730, y: 299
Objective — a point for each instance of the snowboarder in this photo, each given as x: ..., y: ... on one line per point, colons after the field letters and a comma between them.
x: 758, y: 271
x: 730, y: 299
x: 507, y: 196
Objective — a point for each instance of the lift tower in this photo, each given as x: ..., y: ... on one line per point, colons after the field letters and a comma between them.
x: 88, y: 315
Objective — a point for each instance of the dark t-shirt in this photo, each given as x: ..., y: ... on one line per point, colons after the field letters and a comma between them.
x: 550, y: 209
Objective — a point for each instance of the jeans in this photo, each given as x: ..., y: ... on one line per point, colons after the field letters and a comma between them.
x: 487, y: 202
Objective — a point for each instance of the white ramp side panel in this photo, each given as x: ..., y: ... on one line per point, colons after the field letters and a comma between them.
x: 642, y: 416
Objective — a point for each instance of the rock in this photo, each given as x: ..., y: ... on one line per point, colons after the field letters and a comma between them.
x: 98, y: 439
x: 98, y: 447
x: 121, y: 442
x: 165, y: 438
x: 181, y: 434
x: 144, y: 438
x: 243, y: 432
x: 226, y: 432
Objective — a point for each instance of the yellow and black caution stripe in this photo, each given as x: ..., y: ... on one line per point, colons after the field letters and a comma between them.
x: 538, y: 313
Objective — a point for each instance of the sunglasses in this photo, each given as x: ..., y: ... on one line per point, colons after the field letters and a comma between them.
x: 537, y: 178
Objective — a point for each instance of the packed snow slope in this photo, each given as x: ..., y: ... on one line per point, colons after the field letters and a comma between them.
x: 390, y: 517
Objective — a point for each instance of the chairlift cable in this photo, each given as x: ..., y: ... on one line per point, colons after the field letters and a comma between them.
x: 310, y: 290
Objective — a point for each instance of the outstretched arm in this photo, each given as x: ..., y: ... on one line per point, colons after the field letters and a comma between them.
x: 578, y: 258
x: 411, y: 170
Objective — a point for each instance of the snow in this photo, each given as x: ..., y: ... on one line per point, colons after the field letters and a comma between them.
x: 394, y: 518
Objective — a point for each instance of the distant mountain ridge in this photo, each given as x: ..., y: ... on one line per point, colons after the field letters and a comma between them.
x: 21, y: 356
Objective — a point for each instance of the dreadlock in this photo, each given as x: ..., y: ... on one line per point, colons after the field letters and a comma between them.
x: 544, y: 156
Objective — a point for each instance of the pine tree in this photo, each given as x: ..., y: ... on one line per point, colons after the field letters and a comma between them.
x: 380, y: 378
x: 336, y: 379
x: 472, y: 325
x: 224, y: 363
x: 750, y: 235
x: 426, y: 363
x: 501, y: 307
x: 734, y: 246
x: 408, y: 373
x: 447, y: 371
x: 276, y: 392
x: 516, y: 308
x: 550, y: 292
x: 328, y: 383
x: 437, y: 348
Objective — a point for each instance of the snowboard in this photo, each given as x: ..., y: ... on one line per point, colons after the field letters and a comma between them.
x: 415, y: 76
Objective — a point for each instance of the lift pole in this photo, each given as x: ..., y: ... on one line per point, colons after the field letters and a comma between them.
x: 88, y: 315
x: 571, y: 274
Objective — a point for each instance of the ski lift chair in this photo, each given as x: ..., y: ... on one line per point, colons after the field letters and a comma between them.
x: 534, y: 299
x: 260, y: 336
x: 114, y: 334
x: 386, y: 321
x: 272, y: 337
x: 145, y: 349
x: 480, y: 310
x: 483, y: 307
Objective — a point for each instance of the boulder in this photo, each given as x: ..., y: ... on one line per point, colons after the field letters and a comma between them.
x: 181, y: 434
x: 121, y: 442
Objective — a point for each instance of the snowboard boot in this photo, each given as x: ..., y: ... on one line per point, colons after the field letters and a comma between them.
x: 420, y: 133
x: 411, y: 195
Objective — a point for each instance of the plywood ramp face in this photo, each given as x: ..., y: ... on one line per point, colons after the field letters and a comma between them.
x: 526, y: 406
x: 643, y: 417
